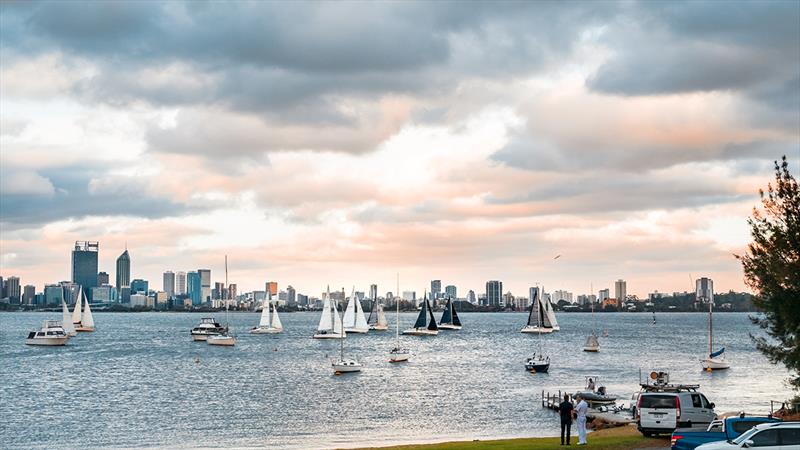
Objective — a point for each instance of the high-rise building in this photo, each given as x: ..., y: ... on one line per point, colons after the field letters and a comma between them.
x: 533, y: 292
x: 436, y: 289
x: 139, y: 285
x: 169, y: 283
x: 620, y: 291
x: 410, y: 296
x: 124, y: 270
x: 494, y: 293
x: 194, y: 288
x: 2, y: 288
x: 302, y: 300
x: 451, y: 292
x: 471, y: 297
x: 562, y: 295
x: 704, y: 290
x: 373, y: 292
x: 180, y: 283
x: 291, y: 295
x: 71, y: 291
x: 102, y: 278
x: 53, y: 294
x: 84, y: 265
x: 104, y: 294
x: 231, y: 292
x: 12, y: 289
x: 219, y: 291
x: 272, y: 289
x: 29, y: 294
x: 603, y: 295
x: 205, y: 284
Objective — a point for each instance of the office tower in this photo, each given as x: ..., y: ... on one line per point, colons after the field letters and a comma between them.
x: 451, y: 292
x: 603, y: 295
x: 410, y: 296
x: 219, y: 291
x: 231, y: 292
x: 28, y: 294
x: 533, y: 292
x: 620, y: 291
x: 123, y: 270
x: 494, y: 292
x: 71, y: 291
x: 291, y: 295
x: 102, y: 278
x: 205, y: 284
x: 562, y: 295
x: 124, y: 294
x: 84, y: 265
x: 169, y: 283
x: 471, y: 297
x: 436, y: 289
x: 272, y: 289
x: 2, y: 288
x: 12, y: 289
x: 104, y: 294
x: 373, y: 292
x: 53, y: 294
x: 180, y: 283
x: 704, y: 290
x: 302, y: 300
x: 139, y: 285
x: 194, y: 288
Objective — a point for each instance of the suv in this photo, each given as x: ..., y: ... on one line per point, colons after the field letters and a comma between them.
x: 663, y: 412
x: 767, y: 436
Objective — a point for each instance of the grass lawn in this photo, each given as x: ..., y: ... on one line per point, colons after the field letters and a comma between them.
x: 621, y: 438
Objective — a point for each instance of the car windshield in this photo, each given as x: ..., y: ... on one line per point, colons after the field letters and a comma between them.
x: 745, y: 436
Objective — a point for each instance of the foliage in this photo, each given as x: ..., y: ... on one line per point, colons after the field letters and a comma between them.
x: 772, y: 269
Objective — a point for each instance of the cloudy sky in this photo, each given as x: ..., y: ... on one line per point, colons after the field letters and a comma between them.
x: 335, y: 142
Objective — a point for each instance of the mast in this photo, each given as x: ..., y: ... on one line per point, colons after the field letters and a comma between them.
x: 540, y: 323
x: 397, y: 306
x: 227, y: 294
x: 710, y: 327
x: 341, y: 341
x: 594, y: 325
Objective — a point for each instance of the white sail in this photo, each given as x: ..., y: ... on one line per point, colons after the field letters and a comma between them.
x: 264, y: 322
x: 361, y: 321
x: 276, y: 321
x: 551, y: 314
x: 76, y: 313
x: 69, y: 328
x: 325, y: 322
x: 543, y: 314
x: 337, y: 319
x: 350, y: 313
x: 87, y: 320
x: 382, y: 321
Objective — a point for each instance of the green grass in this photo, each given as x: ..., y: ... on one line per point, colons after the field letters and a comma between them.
x: 622, y: 438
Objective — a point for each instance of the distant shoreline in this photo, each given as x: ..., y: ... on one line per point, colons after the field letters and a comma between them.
x: 236, y: 311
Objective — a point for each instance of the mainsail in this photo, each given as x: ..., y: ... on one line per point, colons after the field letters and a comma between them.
x: 373, y: 313
x: 717, y: 353
x: 382, y: 321
x: 449, y: 316
x: 76, y: 313
x: 86, y: 319
x: 456, y: 320
x: 69, y: 328
x: 533, y: 317
x: 361, y: 322
x: 432, y: 321
x: 326, y: 320
x: 264, y: 322
x: 422, y: 318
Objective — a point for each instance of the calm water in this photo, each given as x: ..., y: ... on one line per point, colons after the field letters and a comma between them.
x: 135, y: 382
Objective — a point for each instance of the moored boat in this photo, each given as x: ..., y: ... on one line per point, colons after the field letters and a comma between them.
x: 225, y: 338
x: 538, y: 363
x: 51, y: 334
x: 714, y: 360
x: 207, y: 327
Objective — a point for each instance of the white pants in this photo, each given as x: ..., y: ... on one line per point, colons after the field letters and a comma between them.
x: 581, y: 429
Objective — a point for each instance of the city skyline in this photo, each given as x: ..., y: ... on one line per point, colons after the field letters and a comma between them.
x: 629, y: 137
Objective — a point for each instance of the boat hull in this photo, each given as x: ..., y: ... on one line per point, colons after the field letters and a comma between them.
x: 420, y: 332
x: 556, y: 328
x: 356, y: 330
x: 328, y: 336
x: 379, y: 327
x: 399, y: 356
x: 537, y: 368
x: 447, y: 326
x: 594, y: 398
x: 224, y: 341
x: 535, y: 330
x: 591, y: 349
x: 85, y: 329
x: 48, y: 341
x: 715, y: 364
x: 269, y: 330
x: 200, y: 337
x: 341, y: 368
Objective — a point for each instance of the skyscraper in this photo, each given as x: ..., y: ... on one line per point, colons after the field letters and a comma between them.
x: 219, y: 291
x: 451, y: 292
x: 124, y: 270
x: 84, y: 265
x: 494, y: 292
x: 436, y: 289
x: 180, y: 283
x: 272, y: 289
x: 139, y: 285
x: 205, y: 284
x: 373, y: 292
x: 471, y: 297
x: 704, y: 290
x: 291, y: 295
x: 53, y: 294
x: 603, y: 295
x: 169, y: 283
x: 102, y: 278
x: 28, y: 294
x: 12, y: 289
x: 194, y: 288
x: 620, y: 291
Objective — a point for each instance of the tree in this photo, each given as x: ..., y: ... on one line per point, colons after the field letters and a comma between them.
x: 772, y: 269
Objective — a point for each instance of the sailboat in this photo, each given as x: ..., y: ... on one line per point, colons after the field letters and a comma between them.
x: 538, y: 362
x: 86, y: 321
x: 538, y: 321
x: 425, y: 316
x: 69, y: 328
x: 344, y: 365
x: 714, y: 360
x: 592, y: 344
x: 76, y: 311
x: 354, y: 321
x: 330, y: 324
x: 550, y: 312
x: 398, y: 354
x: 450, y: 320
x: 377, y: 318
x: 265, y: 325
x: 225, y: 338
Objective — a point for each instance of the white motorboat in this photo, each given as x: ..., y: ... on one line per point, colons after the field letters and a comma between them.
x: 86, y: 322
x: 450, y: 320
x: 208, y: 327
x: 225, y: 338
x: 51, y: 334
x: 342, y: 364
x: 353, y: 320
x: 594, y: 394
x: 538, y: 320
x: 69, y: 328
x: 714, y: 360
x: 265, y: 325
x: 330, y: 323
x: 377, y: 318
x: 425, y: 316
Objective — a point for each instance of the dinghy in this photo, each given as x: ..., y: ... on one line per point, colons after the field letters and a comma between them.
x: 592, y: 345
x: 450, y: 320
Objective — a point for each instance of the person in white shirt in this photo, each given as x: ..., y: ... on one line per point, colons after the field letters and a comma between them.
x: 580, y: 411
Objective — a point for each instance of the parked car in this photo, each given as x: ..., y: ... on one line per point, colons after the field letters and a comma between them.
x: 662, y: 412
x: 719, y: 430
x: 767, y: 436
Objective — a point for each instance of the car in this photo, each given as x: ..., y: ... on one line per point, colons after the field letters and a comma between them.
x: 719, y: 430
x: 767, y: 436
x: 663, y: 411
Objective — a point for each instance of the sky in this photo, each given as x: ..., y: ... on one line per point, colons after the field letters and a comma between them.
x: 342, y: 143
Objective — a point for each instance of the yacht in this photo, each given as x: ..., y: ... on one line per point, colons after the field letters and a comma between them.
x: 425, y: 315
x: 225, y: 338
x: 207, y: 327
x: 51, y: 333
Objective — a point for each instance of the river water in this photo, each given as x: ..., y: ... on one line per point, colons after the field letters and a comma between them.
x: 140, y: 381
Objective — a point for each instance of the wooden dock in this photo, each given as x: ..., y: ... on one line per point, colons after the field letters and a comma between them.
x: 553, y: 400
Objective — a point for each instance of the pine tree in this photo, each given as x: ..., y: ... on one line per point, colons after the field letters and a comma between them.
x: 772, y: 269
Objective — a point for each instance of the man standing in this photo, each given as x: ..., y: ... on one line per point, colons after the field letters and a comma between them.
x: 581, y: 409
x: 565, y: 409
